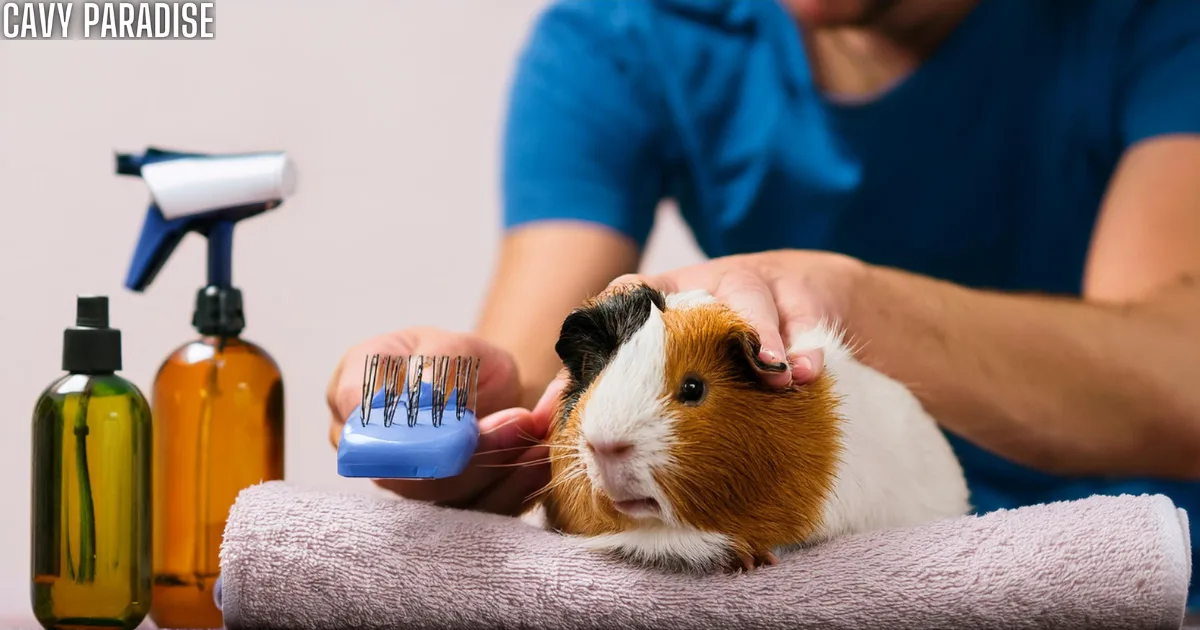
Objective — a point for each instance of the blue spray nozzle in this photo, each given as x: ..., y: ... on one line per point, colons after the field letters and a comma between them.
x: 203, y: 193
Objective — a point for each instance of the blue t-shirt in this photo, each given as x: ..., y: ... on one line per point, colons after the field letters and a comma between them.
x: 985, y: 167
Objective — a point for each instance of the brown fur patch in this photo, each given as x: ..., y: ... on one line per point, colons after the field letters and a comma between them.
x: 571, y: 503
x: 754, y: 463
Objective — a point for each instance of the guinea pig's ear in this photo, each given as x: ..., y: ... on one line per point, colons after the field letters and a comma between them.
x: 583, y: 344
x: 745, y: 345
x: 592, y: 333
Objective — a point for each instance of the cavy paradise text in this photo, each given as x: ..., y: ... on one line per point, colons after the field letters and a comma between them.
x: 108, y: 20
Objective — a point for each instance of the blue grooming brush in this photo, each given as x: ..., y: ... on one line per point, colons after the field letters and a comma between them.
x: 420, y: 424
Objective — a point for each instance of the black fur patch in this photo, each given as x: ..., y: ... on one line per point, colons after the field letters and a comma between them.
x: 591, y: 335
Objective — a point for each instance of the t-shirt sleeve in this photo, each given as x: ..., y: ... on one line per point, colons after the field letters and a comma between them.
x: 1159, y: 71
x: 582, y: 139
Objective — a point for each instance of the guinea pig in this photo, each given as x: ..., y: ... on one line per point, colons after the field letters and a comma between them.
x: 666, y: 449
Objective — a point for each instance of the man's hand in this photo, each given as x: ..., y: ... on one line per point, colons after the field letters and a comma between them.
x: 780, y: 293
x: 509, y: 463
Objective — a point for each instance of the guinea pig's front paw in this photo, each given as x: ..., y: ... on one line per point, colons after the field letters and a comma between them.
x: 747, y: 560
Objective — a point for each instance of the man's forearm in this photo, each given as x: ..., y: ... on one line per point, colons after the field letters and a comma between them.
x: 1056, y: 384
x: 543, y: 271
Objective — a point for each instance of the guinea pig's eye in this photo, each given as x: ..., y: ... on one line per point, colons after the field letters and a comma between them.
x: 692, y: 390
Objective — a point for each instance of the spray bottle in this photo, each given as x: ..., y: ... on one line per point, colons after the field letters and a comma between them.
x: 218, y: 399
x: 91, y: 485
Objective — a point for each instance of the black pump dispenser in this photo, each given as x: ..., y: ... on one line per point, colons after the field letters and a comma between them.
x: 91, y: 346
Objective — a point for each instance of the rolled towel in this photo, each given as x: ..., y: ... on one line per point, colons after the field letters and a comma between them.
x: 300, y: 559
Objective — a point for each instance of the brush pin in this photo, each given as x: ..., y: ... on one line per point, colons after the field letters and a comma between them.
x: 428, y: 448
x: 401, y: 380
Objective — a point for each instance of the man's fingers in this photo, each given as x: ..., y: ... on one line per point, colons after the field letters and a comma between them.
x: 661, y: 283
x: 743, y: 291
x: 508, y: 442
x: 746, y: 293
x: 344, y: 392
x: 498, y: 384
x: 497, y: 387
x: 804, y: 350
x: 528, y: 474
x: 546, y: 404
x: 807, y: 365
x: 504, y: 435
x: 530, y: 470
x: 502, y: 438
x: 335, y: 432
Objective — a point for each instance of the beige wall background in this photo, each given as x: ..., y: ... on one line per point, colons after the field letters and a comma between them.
x: 392, y: 112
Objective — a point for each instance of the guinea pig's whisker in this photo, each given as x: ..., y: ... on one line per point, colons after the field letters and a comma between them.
x: 532, y: 462
x: 575, y: 461
x: 573, y: 475
x: 570, y: 475
x: 529, y: 437
x: 855, y: 345
x: 502, y: 450
x: 498, y: 427
x: 520, y: 431
x: 545, y: 489
x: 564, y: 447
x: 562, y: 456
x: 574, y: 470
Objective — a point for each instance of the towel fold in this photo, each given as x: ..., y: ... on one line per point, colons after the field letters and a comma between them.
x: 300, y: 559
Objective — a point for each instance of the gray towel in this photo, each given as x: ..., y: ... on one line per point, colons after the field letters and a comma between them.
x: 302, y: 559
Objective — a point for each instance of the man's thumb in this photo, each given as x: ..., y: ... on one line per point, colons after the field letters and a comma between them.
x: 546, y: 404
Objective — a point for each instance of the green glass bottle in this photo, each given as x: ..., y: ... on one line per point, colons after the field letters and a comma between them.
x: 92, y: 450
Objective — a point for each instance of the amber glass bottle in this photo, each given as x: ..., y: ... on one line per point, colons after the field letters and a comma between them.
x: 92, y: 432
x: 218, y: 409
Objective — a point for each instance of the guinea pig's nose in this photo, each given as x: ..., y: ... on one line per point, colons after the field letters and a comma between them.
x: 610, y: 450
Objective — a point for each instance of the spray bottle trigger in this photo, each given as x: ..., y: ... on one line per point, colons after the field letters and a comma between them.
x: 158, y: 240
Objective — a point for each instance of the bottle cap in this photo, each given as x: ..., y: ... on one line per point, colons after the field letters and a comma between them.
x: 219, y: 311
x: 91, y: 346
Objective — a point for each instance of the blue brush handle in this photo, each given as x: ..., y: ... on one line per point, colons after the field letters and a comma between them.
x: 422, y: 451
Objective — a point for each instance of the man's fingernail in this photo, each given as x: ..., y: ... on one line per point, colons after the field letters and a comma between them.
x: 769, y: 362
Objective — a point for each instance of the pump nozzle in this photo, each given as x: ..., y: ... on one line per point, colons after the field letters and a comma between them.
x: 207, y: 194
x: 91, y: 346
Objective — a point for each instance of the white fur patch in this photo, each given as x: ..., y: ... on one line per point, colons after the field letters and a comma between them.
x: 536, y: 517
x: 825, y: 336
x: 651, y: 544
x: 626, y: 404
x: 897, y: 469
x: 666, y: 545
